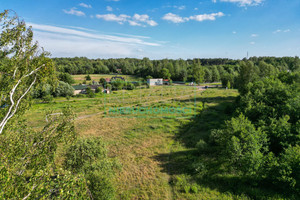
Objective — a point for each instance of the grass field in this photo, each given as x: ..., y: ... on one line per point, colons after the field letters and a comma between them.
x: 96, y: 77
x: 157, y: 152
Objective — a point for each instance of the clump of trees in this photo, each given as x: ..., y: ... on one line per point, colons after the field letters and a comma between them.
x: 48, y: 91
x: 27, y: 163
x: 263, y: 140
x: 215, y: 70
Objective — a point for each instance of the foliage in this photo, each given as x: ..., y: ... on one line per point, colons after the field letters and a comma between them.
x: 243, y: 145
x: 98, y: 90
x: 88, y: 77
x: 89, y: 156
x: 27, y: 163
x: 198, y: 73
x: 286, y: 172
x: 22, y: 67
x: 165, y: 74
x: 27, y: 167
x: 63, y: 90
x: 66, y: 77
x: 89, y: 92
x: 103, y: 82
x: 264, y: 139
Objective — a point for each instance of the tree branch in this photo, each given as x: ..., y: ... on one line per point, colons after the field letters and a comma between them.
x: 9, y: 114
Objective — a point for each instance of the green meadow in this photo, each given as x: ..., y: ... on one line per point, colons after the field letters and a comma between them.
x: 157, y: 152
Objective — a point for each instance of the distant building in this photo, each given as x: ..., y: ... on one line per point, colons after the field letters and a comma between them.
x: 152, y: 82
x: 81, y: 89
x: 106, y: 91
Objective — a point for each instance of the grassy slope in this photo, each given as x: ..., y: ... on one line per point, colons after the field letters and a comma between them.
x: 157, y: 153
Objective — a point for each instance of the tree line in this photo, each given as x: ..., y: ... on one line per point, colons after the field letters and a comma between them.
x: 197, y: 70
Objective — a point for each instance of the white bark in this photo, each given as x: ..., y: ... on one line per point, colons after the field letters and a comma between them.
x: 33, y: 187
x: 14, y: 106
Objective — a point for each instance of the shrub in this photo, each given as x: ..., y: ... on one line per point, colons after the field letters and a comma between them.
x: 66, y: 77
x: 90, y: 93
x: 287, y: 170
x: 89, y: 157
x: 98, y: 89
x: 63, y: 90
x: 88, y: 77
x: 201, y: 146
x: 130, y: 86
x: 242, y: 145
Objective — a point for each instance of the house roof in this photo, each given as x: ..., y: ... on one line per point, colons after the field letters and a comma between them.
x: 79, y: 87
x: 82, y: 87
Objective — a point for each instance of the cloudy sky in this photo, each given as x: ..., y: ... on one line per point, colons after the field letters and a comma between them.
x: 163, y: 28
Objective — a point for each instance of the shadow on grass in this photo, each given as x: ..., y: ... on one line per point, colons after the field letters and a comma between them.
x: 181, y: 162
x: 212, y: 117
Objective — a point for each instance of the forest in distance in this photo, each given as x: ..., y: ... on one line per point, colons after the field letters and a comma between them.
x: 241, y: 140
x: 180, y: 70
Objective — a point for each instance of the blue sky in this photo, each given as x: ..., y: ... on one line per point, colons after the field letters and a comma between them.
x: 163, y: 28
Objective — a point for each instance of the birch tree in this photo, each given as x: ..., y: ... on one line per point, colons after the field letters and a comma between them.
x: 27, y: 156
x: 23, y: 65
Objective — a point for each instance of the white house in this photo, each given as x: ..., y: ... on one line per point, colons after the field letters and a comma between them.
x: 158, y: 81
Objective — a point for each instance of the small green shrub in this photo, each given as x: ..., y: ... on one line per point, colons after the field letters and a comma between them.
x: 88, y: 156
x: 201, y: 146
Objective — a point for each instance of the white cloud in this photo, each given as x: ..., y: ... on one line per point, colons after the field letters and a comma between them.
x: 73, y: 11
x: 112, y: 17
x: 152, y: 23
x: 178, y: 19
x: 281, y: 31
x: 252, y: 43
x: 144, y: 18
x: 83, y: 34
x: 134, y: 23
x: 135, y: 20
x: 174, y: 18
x: 108, y: 8
x: 243, y: 2
x: 233, y: 32
x: 204, y: 17
x: 254, y: 35
x: 180, y: 7
x: 85, y: 5
x: 277, y: 31
x: 68, y: 42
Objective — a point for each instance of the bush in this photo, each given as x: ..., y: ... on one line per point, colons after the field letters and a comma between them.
x: 90, y: 93
x: 89, y: 157
x: 130, y: 86
x: 63, y: 90
x: 98, y: 89
x: 201, y: 146
x: 66, y: 77
x: 88, y: 77
x: 287, y: 170
x: 242, y: 145
x: 84, y: 152
x: 42, y: 91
